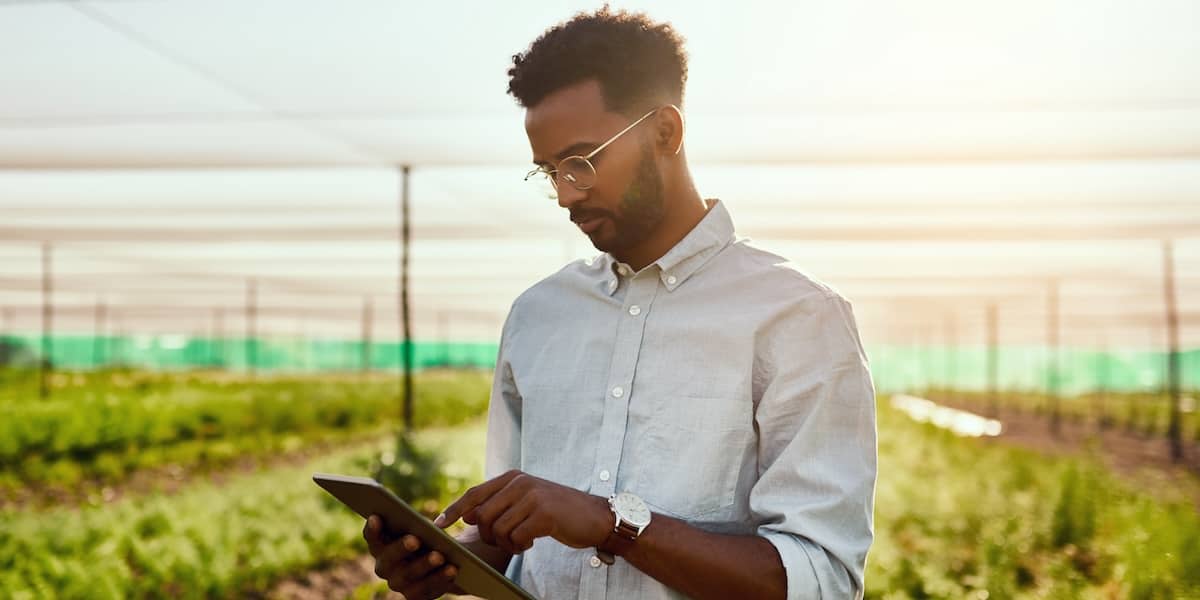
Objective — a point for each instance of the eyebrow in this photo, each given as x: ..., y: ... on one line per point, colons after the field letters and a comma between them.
x: 575, y: 148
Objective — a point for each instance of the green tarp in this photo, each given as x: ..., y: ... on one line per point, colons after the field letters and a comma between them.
x: 895, y: 368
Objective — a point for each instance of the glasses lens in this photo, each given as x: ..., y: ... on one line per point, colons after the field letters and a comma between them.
x: 576, y: 171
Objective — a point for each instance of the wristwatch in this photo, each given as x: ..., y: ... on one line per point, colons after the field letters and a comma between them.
x: 630, y: 518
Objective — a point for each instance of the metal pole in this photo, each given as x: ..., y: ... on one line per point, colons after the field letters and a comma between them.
x: 950, y: 357
x: 251, y: 347
x: 913, y: 361
x: 219, y: 336
x: 1052, y: 342
x: 212, y: 339
x: 1101, y: 383
x: 406, y: 348
x: 1174, y: 428
x: 45, y: 365
x: 444, y: 336
x: 118, y: 353
x: 366, y: 335
x: 98, y: 341
x: 993, y: 360
x: 925, y: 342
x: 300, y: 343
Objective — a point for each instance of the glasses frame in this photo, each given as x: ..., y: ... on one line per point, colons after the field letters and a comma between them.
x: 552, y: 174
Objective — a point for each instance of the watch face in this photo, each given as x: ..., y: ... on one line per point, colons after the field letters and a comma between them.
x: 631, y: 508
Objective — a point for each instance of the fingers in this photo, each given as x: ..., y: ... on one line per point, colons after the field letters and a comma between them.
x: 419, y: 567
x: 395, y: 556
x: 524, y: 534
x: 521, y: 494
x: 434, y: 585
x: 474, y: 497
x: 373, y: 534
x: 504, y: 525
x: 484, y: 516
x: 412, y: 572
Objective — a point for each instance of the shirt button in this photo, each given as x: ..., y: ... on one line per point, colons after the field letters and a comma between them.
x: 604, y: 475
x: 635, y: 310
x: 594, y: 561
x: 617, y: 392
x: 670, y: 280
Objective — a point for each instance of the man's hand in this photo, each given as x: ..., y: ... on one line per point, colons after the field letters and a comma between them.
x: 515, y: 508
x: 416, y: 572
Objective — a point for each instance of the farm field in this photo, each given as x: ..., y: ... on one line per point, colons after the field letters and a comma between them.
x: 955, y: 517
x: 1143, y: 413
x: 97, y: 430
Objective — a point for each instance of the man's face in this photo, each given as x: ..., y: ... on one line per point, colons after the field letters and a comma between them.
x: 626, y: 204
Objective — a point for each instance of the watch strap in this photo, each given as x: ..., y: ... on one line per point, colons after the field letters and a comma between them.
x: 620, y: 539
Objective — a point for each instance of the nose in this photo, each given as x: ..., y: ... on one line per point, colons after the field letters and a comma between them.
x: 569, y: 195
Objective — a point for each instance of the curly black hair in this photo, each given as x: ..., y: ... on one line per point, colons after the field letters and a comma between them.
x: 638, y: 63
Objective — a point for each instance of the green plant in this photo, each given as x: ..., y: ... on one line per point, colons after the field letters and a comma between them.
x: 974, y: 518
x: 103, y: 428
x: 209, y: 541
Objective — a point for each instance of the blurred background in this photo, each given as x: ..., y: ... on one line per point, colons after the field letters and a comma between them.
x: 213, y: 215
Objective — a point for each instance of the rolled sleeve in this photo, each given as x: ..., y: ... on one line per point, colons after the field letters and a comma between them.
x: 814, y: 497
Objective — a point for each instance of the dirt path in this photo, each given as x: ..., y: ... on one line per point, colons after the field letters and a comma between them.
x: 336, y: 583
x: 1145, y: 460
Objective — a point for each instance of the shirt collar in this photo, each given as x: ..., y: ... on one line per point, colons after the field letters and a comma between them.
x: 704, y: 241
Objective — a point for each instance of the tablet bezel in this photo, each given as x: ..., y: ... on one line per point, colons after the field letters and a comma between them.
x: 366, y: 496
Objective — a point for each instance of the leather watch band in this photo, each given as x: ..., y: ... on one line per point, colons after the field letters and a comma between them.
x: 614, y: 546
x: 626, y: 531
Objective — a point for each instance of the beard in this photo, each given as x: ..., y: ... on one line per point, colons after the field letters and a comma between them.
x: 642, y: 207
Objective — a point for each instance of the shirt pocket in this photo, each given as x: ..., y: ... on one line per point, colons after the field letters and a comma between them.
x: 695, y: 452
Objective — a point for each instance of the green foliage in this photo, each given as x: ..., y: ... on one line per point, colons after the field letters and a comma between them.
x: 409, y: 471
x: 954, y: 518
x: 105, y: 425
x: 973, y: 518
x: 209, y: 541
x: 1074, y: 519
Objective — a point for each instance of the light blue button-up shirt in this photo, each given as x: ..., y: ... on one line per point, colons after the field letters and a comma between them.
x: 721, y: 384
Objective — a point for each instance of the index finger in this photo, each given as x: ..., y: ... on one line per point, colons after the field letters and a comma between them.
x: 474, y: 497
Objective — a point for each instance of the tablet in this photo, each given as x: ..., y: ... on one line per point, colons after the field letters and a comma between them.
x: 367, y: 496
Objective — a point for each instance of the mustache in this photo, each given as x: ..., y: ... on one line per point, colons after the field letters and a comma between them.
x: 583, y: 214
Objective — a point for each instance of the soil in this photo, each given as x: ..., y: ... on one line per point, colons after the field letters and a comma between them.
x: 1144, y: 459
x: 336, y: 583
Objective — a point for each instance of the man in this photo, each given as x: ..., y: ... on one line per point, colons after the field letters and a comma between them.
x: 722, y: 396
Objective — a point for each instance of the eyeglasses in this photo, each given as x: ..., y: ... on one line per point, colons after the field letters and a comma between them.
x: 578, y: 170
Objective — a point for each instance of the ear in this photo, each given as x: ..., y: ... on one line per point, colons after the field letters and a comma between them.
x: 669, y: 129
